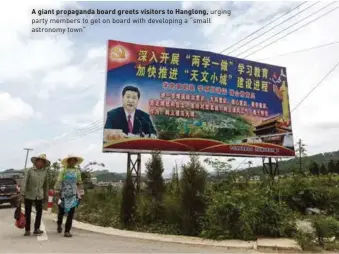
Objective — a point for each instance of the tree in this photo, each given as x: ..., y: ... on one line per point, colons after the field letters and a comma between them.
x: 331, y: 167
x: 127, y: 211
x: 249, y: 163
x: 53, y: 172
x: 219, y: 166
x: 337, y: 167
x: 300, y: 153
x: 155, y: 185
x: 323, y: 169
x: 314, y: 168
x: 86, y: 173
x: 174, y: 184
x: 192, y: 185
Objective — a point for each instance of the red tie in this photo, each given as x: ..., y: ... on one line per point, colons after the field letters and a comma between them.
x: 130, y: 125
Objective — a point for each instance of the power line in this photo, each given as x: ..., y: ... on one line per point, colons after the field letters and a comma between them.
x: 72, y: 136
x: 27, y: 152
x: 260, y: 35
x: 319, y: 83
x: 263, y: 27
x: 77, y: 131
x: 289, y: 32
x: 90, y: 125
x: 301, y: 50
x: 240, y: 164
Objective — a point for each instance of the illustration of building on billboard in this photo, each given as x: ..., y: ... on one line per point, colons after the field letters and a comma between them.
x: 182, y: 101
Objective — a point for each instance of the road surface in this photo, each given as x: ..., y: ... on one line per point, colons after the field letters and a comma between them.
x: 13, y: 241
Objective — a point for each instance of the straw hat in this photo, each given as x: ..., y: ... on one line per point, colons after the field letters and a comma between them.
x: 64, y: 162
x: 41, y: 157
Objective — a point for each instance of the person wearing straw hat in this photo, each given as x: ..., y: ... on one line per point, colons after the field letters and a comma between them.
x: 67, y: 191
x: 35, y: 190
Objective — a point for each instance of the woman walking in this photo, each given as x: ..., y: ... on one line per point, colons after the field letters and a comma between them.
x: 35, y: 190
x: 67, y: 190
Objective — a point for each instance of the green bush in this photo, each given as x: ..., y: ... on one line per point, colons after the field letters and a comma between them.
x: 325, y: 227
x: 246, y: 214
x: 226, y: 209
x: 192, y: 196
x: 100, y: 207
x: 128, y: 203
x: 301, y: 193
x: 306, y: 241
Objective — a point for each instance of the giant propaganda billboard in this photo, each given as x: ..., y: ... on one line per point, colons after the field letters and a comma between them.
x: 180, y: 101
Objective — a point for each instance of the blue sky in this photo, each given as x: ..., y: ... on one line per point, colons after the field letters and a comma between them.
x: 53, y: 84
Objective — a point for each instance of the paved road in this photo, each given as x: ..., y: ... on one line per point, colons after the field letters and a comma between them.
x: 13, y: 241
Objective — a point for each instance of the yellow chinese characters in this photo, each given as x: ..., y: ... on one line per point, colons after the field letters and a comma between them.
x: 173, y: 75
x: 175, y: 58
x: 153, y: 57
x: 143, y: 56
x: 206, y: 61
x: 165, y: 58
x: 163, y: 72
x: 241, y: 68
x: 264, y: 86
x: 206, y: 77
x: 257, y: 72
x: 151, y: 71
x: 194, y: 75
x: 249, y: 70
x: 248, y: 83
x: 265, y: 73
x: 240, y: 82
x: 256, y: 85
x: 141, y: 71
x: 223, y: 79
x: 196, y: 61
x: 224, y: 65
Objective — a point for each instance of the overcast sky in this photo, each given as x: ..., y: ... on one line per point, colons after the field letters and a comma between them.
x: 50, y: 85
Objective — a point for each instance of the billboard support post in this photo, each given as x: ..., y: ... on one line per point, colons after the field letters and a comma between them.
x: 134, y: 167
x: 270, y: 168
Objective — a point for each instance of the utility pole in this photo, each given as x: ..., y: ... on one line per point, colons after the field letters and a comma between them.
x: 27, y: 152
x: 249, y: 163
x: 301, y: 150
x: 300, y: 154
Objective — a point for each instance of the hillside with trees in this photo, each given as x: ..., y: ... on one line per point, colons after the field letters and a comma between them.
x: 291, y: 165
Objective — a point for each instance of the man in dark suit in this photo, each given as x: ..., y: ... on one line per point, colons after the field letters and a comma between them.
x: 128, y: 118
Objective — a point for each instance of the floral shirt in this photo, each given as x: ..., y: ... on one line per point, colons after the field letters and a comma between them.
x: 67, y: 182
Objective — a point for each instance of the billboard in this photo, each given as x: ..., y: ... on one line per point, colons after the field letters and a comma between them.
x: 180, y: 101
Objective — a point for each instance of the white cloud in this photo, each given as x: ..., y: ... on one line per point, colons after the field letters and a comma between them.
x: 98, y: 109
x: 14, y: 108
x: 68, y: 76
x: 97, y: 52
x: 21, y: 52
x: 170, y: 44
x: 87, y: 76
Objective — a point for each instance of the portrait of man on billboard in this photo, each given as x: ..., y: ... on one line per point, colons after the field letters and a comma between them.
x: 127, y: 120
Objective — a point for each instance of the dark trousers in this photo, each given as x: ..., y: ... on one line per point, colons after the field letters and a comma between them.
x: 69, y: 219
x: 28, y: 211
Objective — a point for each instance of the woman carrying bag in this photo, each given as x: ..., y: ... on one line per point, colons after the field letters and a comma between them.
x: 67, y: 191
x: 35, y: 190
